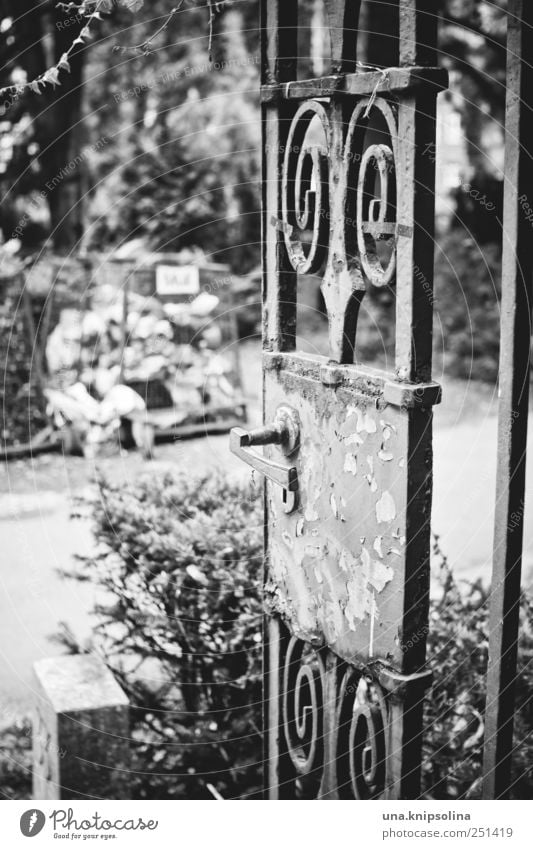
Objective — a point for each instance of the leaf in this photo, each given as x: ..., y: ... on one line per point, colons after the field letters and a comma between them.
x: 51, y: 76
x: 104, y: 6
x: 197, y: 575
x: 64, y: 63
x: 132, y: 5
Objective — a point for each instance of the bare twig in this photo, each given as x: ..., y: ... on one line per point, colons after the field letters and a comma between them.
x: 144, y: 46
x: 52, y: 74
x: 215, y: 8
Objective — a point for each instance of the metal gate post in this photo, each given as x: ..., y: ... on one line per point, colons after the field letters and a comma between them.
x: 515, y: 339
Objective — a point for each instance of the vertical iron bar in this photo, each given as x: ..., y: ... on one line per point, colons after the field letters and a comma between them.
x: 279, y: 31
x: 329, y: 784
x: 416, y: 244
x: 418, y: 31
x: 273, y: 663
x: 515, y: 335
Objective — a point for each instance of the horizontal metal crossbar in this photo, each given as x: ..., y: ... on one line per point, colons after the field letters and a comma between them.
x: 364, y: 380
x: 359, y: 84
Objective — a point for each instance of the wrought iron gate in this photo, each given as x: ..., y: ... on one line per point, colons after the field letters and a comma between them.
x: 349, y: 163
x: 348, y: 194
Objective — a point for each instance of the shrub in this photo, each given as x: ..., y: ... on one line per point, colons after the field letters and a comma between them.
x: 16, y: 760
x: 180, y: 561
x: 467, y: 306
x: 457, y: 654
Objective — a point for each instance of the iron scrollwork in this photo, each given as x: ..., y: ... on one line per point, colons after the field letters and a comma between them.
x: 305, y: 190
x: 354, y: 242
x: 354, y: 752
x: 361, y: 738
x: 303, y: 707
x: 371, y: 170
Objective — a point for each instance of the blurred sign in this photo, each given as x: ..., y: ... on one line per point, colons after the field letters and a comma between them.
x: 177, y: 280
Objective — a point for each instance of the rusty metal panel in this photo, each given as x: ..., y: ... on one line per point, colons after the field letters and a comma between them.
x: 337, y: 562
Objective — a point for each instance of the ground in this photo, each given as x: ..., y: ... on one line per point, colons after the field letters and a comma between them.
x: 40, y: 538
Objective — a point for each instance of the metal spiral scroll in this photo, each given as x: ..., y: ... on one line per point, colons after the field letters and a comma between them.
x: 303, y: 707
x: 305, y: 203
x: 361, y: 740
x: 373, y: 174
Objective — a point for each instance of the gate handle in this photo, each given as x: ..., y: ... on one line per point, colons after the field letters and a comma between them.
x: 284, y: 431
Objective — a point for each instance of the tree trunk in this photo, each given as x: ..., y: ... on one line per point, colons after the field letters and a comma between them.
x: 41, y: 38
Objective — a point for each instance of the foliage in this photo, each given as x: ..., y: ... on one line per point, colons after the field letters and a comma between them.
x: 181, y: 560
x: 182, y: 165
x: 46, y: 125
x: 467, y: 306
x: 472, y: 46
x: 16, y: 761
x: 458, y: 652
x: 85, y: 14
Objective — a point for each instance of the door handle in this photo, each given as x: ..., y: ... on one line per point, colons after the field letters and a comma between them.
x: 285, y: 432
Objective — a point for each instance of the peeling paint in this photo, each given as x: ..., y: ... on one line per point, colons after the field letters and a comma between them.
x: 385, y: 508
x: 350, y: 464
x: 341, y: 584
x: 373, y: 617
x: 312, y: 462
x: 287, y: 539
x: 311, y: 514
x: 370, y: 478
x: 344, y: 563
x: 365, y: 423
x: 365, y: 575
x: 354, y: 439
